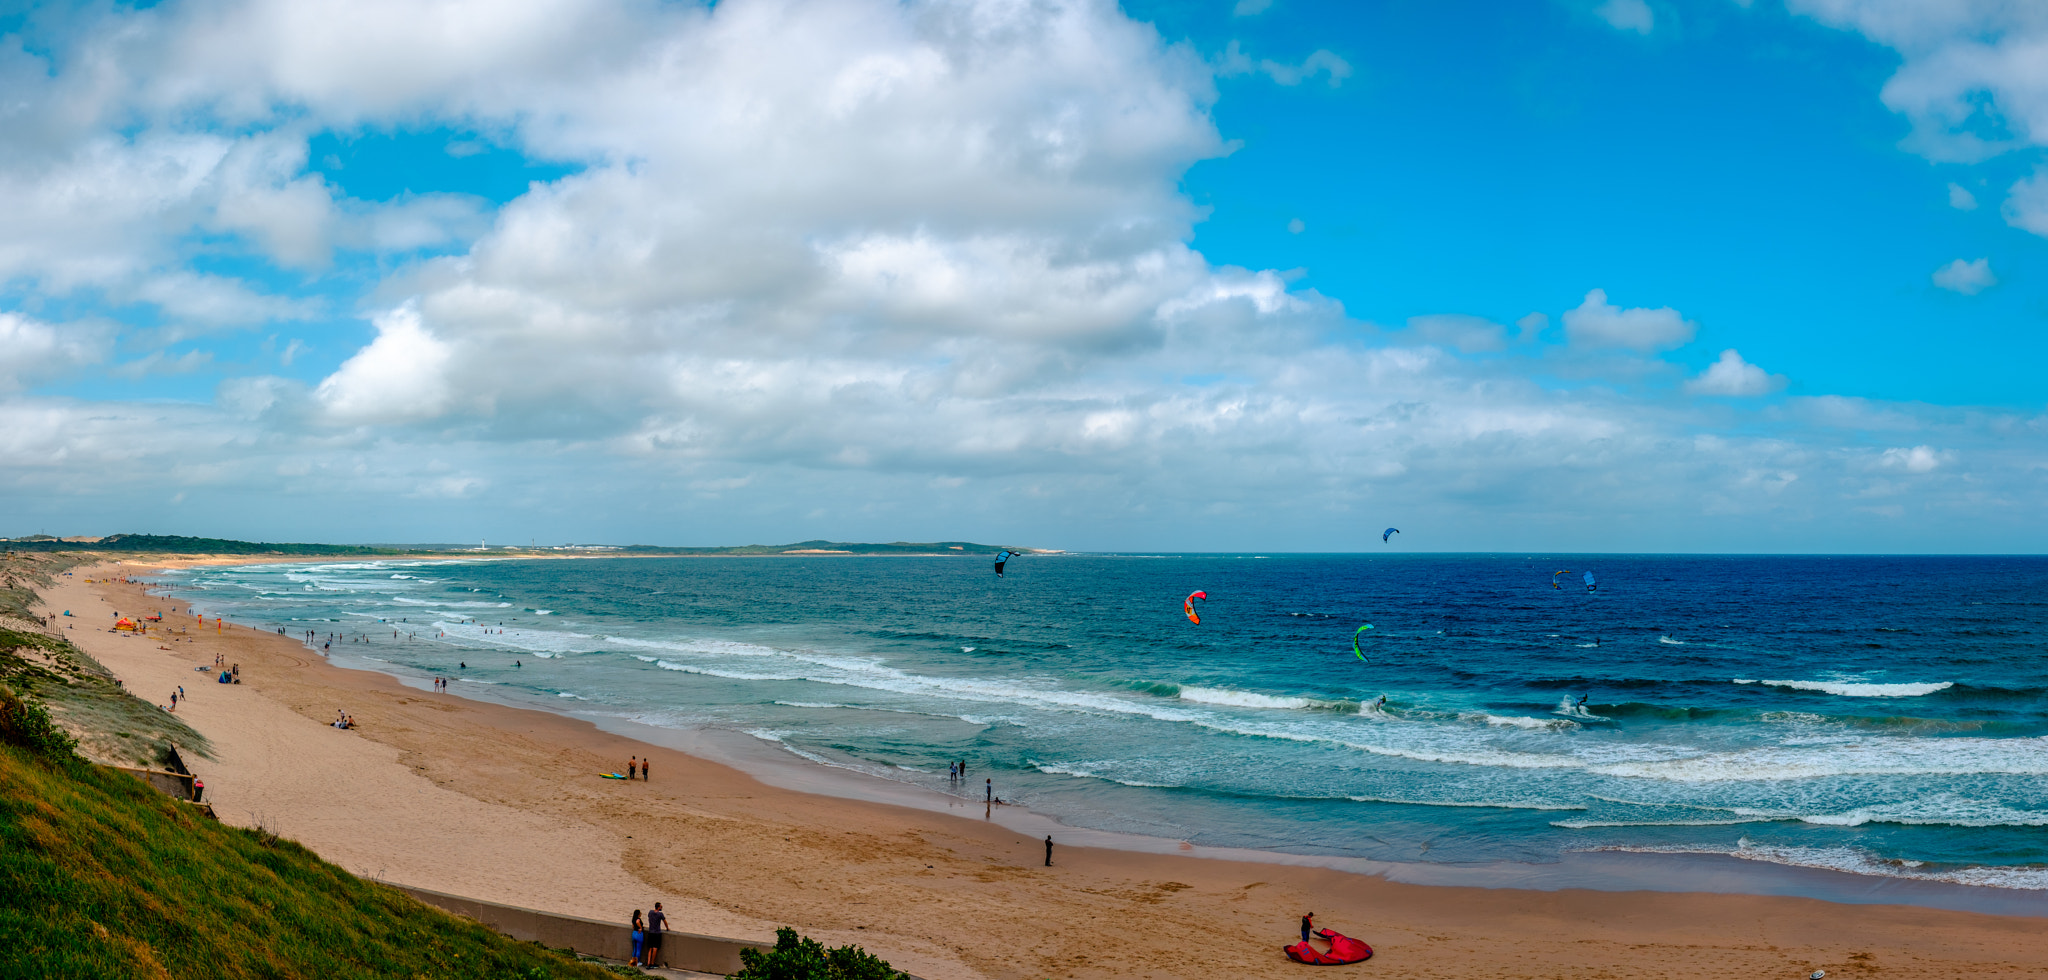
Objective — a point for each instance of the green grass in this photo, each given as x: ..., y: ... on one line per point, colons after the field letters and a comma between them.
x: 101, y: 876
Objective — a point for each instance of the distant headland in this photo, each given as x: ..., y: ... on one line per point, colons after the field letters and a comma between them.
x: 181, y: 544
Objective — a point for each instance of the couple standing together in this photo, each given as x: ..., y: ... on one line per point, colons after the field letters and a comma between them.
x: 647, y: 936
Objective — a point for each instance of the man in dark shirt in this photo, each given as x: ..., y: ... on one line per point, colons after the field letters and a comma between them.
x: 657, y: 923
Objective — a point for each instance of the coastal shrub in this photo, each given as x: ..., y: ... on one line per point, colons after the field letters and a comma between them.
x: 24, y: 723
x: 101, y: 876
x: 803, y: 958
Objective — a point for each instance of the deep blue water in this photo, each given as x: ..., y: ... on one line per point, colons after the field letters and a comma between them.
x: 1877, y: 715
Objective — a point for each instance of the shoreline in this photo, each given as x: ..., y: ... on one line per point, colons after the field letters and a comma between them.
x: 1599, y: 869
x: 1242, y: 906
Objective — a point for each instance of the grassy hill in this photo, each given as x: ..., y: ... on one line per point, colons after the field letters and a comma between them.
x: 101, y: 876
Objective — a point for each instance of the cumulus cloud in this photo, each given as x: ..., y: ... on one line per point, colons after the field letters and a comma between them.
x: 1597, y: 323
x: 2026, y: 203
x: 1734, y: 377
x: 1960, y: 198
x: 1469, y: 334
x: 400, y: 377
x: 901, y: 263
x: 1326, y: 64
x: 31, y: 350
x: 1969, y: 278
x: 1971, y: 81
x: 1627, y: 15
x: 1916, y: 459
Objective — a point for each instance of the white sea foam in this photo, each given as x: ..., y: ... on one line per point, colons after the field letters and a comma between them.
x: 543, y: 612
x: 1519, y: 721
x: 1478, y: 804
x: 1878, y: 756
x: 1081, y: 769
x: 1666, y: 639
x: 1240, y: 699
x: 1855, y: 861
x: 966, y: 649
x: 1858, y: 689
x: 1577, y: 824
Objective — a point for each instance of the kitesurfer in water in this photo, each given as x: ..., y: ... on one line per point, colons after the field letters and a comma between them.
x: 1382, y: 702
x: 1582, y: 699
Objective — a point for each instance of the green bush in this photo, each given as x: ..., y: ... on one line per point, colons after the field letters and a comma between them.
x: 24, y: 723
x: 804, y: 958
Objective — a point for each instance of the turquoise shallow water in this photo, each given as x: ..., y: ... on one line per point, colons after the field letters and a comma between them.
x: 1881, y: 716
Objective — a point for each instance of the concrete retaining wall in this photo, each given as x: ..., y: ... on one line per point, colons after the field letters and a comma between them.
x: 594, y: 937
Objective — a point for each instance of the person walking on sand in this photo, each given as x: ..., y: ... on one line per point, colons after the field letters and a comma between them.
x: 639, y: 937
x: 645, y: 766
x: 1048, y: 850
x: 657, y: 923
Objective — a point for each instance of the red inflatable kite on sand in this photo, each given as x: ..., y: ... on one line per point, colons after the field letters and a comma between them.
x: 1343, y: 949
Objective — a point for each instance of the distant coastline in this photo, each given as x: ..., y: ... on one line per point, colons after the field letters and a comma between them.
x: 183, y: 545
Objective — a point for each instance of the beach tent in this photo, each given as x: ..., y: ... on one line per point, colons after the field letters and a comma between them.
x: 124, y: 623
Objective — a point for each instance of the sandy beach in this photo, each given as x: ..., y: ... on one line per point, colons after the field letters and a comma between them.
x: 504, y: 804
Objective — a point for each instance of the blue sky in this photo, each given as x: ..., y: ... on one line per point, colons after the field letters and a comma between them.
x: 1617, y: 275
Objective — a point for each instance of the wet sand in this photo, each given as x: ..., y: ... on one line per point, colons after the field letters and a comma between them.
x: 504, y: 804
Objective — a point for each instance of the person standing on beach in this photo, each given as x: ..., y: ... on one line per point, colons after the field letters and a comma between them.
x: 639, y: 937
x: 657, y: 923
x: 989, y: 789
x: 1308, y: 925
x: 633, y: 768
x: 645, y: 766
x: 1048, y: 850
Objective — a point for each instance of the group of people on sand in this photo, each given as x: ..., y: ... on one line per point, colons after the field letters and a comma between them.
x: 647, y: 936
x: 642, y: 767
x: 343, y: 720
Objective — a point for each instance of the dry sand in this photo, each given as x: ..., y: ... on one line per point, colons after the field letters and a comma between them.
x: 503, y: 804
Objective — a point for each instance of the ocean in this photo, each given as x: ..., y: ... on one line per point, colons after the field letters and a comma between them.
x: 1881, y: 716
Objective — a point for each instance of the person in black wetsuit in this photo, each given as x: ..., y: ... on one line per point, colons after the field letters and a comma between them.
x: 1308, y: 925
x: 1048, y: 850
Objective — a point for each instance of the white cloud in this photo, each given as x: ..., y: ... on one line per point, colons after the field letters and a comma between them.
x: 907, y: 264
x: 2026, y: 203
x: 1968, y: 278
x: 1734, y: 377
x: 1530, y: 326
x: 1597, y: 323
x: 1917, y: 459
x: 1469, y: 334
x: 1971, y: 81
x: 400, y: 377
x: 1627, y: 15
x: 1234, y: 61
x: 1296, y: 226
x: 1960, y: 198
x: 1250, y: 8
x: 33, y: 351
